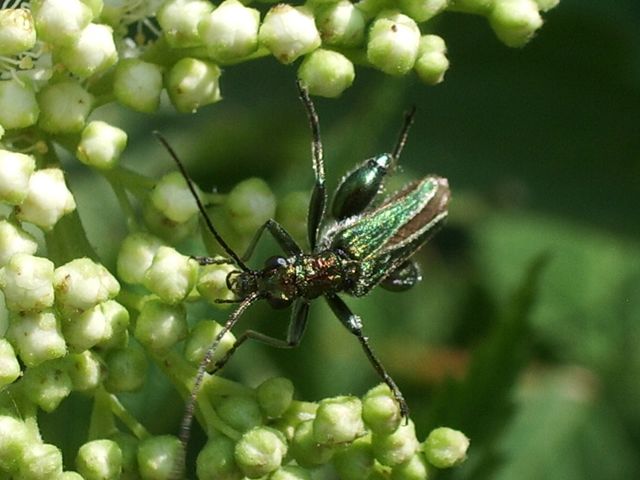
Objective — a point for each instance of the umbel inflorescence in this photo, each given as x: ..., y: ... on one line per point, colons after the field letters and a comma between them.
x: 72, y: 327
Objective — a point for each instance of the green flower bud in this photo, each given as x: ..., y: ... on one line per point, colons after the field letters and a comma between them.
x: 48, y: 199
x: 160, y: 326
x: 136, y: 256
x: 18, y: 105
x: 393, y: 43
x: 212, y: 281
x: 216, y: 460
x: 341, y: 24
x: 37, y: 338
x: 260, y: 451
x: 326, y: 73
x: 297, y: 413
x: 60, y: 21
x: 47, y: 384
x: 172, y: 197
x: 356, y: 461
x: 171, y: 275
x: 480, y: 7
x: 200, y: 339
x: 192, y: 84
x: 14, y: 439
x: 17, y: 32
x: 289, y: 32
x: 99, y: 460
x: 129, y: 447
x: 101, y: 145
x: 179, y: 20
x: 138, y: 84
x: 432, y: 61
x: 116, y: 323
x: 15, y: 171
x: 445, y: 447
x: 422, y: 10
x: 27, y: 283
x: 292, y: 213
x: 85, y: 371
x: 165, y: 228
x: 85, y: 330
x: 380, y: 410
x: 158, y: 457
x: 515, y: 21
x: 338, y: 420
x: 290, y: 472
x: 9, y: 366
x: 13, y: 239
x: 40, y: 461
x: 397, y: 447
x: 82, y: 284
x: 230, y: 32
x: 96, y: 6
x: 275, y: 396
x: 126, y: 369
x: 304, y: 448
x: 64, y: 107
x: 415, y: 468
x: 92, y: 52
x: 242, y: 412
x: 69, y: 475
x: 249, y: 205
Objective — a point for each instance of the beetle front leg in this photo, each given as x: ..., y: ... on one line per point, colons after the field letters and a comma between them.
x: 278, y: 232
x: 354, y: 325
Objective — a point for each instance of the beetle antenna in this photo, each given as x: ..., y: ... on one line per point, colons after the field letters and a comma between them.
x: 404, y: 133
x: 201, y: 209
x: 185, y: 425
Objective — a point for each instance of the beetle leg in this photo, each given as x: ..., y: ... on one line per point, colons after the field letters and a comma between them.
x: 354, y: 325
x: 318, y: 202
x: 402, y: 278
x: 297, y: 325
x: 278, y: 232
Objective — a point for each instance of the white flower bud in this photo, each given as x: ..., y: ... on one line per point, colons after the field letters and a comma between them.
x: 515, y: 21
x: 393, y: 43
x: 422, y: 10
x: 231, y: 31
x: 81, y: 284
x: 18, y: 105
x: 37, y: 338
x: 138, y: 84
x: 93, y: 51
x: 85, y: 330
x: 60, y: 21
x: 432, y: 62
x: 9, y: 366
x: 326, y: 73
x: 15, y: 171
x: 136, y: 255
x: 289, y: 32
x: 171, y: 276
x: 341, y: 23
x: 192, y: 84
x: 27, y: 282
x: 14, y: 240
x: 160, y: 326
x: 478, y: 7
x: 172, y: 197
x: 17, y: 32
x: 64, y: 107
x: 101, y: 145
x: 179, y: 20
x: 48, y: 199
x: 212, y: 282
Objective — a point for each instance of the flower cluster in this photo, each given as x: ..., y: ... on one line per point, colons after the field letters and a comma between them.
x: 71, y: 326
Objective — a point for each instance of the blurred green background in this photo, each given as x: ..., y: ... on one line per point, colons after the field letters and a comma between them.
x: 525, y: 332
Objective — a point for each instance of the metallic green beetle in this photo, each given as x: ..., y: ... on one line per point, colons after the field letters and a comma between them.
x: 365, y: 245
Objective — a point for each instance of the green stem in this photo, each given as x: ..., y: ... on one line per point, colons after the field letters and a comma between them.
x: 125, y: 417
x: 138, y: 184
x: 102, y: 423
x: 123, y: 200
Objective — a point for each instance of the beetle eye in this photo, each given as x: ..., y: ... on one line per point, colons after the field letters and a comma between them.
x: 275, y: 262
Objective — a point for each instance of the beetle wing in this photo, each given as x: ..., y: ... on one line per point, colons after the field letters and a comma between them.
x: 382, y: 239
